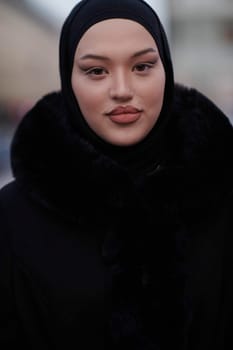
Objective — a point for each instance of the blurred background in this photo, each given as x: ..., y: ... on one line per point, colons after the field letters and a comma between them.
x: 200, y: 34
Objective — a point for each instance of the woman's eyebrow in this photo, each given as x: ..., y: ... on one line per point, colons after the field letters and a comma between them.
x: 143, y: 52
x: 104, y: 58
x: 95, y: 57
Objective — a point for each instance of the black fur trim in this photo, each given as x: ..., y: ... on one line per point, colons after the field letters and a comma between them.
x: 64, y: 173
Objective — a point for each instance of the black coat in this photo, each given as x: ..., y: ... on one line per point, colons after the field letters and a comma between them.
x: 93, y: 257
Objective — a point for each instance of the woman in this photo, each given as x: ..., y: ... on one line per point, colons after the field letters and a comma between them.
x: 117, y: 232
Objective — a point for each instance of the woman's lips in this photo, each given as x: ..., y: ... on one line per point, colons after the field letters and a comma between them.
x: 124, y: 115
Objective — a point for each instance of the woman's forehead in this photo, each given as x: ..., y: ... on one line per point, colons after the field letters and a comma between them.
x: 116, y: 33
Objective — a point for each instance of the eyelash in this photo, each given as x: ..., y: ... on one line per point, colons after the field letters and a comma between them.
x: 147, y: 65
x: 99, y: 71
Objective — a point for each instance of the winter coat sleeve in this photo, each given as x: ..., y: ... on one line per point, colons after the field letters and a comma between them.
x: 227, y: 302
x: 10, y: 332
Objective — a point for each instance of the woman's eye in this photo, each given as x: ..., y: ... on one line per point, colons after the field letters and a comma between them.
x: 143, y: 67
x: 96, y: 71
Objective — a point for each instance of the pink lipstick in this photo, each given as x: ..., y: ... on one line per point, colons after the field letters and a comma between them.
x: 124, y: 115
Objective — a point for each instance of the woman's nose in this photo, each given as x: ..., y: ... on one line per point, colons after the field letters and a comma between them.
x: 120, y: 88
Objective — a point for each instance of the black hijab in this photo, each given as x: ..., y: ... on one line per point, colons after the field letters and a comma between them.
x: 85, y: 14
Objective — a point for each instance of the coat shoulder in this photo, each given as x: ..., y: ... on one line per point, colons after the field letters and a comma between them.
x: 190, y: 101
x: 201, y: 126
x: 8, y: 196
x: 11, y: 206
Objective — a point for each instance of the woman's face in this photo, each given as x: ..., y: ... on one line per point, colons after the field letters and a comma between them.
x: 118, y: 80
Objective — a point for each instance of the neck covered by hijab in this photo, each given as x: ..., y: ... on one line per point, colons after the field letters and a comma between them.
x: 84, y: 15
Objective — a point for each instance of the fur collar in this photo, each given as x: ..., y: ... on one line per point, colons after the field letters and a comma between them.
x: 65, y: 173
